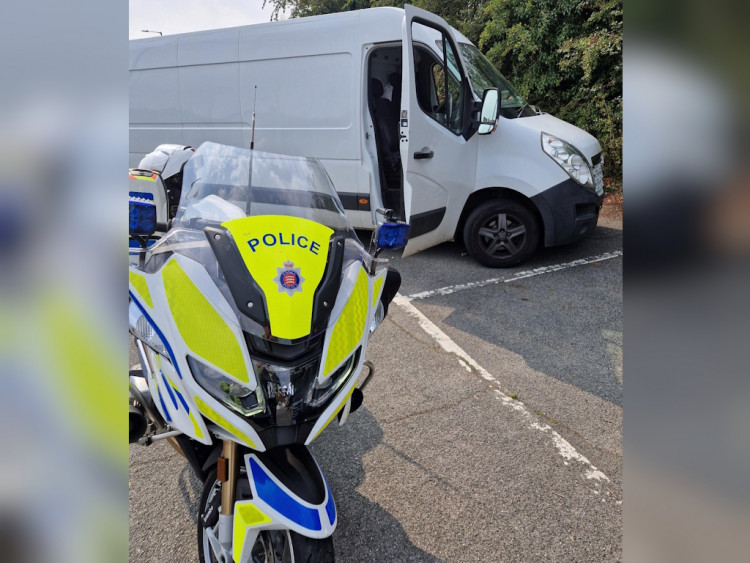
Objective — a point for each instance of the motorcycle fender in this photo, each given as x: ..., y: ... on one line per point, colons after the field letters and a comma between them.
x: 275, y: 506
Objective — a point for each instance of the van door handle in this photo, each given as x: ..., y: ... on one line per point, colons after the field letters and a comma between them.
x: 421, y: 155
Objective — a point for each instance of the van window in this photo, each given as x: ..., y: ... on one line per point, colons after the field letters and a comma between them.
x: 484, y: 75
x: 439, y: 89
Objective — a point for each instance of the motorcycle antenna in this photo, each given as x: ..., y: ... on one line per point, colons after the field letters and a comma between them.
x: 252, y: 130
x: 252, y: 147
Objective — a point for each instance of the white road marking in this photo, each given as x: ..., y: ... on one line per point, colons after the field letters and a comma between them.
x: 517, y: 276
x: 564, y: 448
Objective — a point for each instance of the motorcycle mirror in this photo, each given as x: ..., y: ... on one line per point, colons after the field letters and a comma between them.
x: 142, y: 218
x: 392, y: 235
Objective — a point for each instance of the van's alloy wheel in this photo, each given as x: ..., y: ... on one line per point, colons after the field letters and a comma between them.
x: 501, y: 233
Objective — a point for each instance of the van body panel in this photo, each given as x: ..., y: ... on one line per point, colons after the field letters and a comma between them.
x: 512, y: 157
x: 153, y: 52
x: 211, y: 47
x: 580, y: 139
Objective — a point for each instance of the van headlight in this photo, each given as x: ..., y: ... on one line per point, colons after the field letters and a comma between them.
x: 236, y: 396
x: 569, y: 159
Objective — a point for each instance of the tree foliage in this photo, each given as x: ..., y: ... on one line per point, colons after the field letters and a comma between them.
x: 564, y: 56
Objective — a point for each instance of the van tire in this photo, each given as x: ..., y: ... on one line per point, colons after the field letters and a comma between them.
x: 501, y: 233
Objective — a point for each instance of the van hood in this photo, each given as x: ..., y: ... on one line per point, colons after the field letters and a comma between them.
x: 584, y: 142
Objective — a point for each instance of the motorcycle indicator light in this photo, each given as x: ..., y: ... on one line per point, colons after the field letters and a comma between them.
x: 143, y: 330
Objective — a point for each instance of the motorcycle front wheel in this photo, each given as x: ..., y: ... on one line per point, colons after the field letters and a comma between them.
x: 272, y: 546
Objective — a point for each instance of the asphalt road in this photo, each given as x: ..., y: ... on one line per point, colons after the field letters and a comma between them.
x: 440, y: 463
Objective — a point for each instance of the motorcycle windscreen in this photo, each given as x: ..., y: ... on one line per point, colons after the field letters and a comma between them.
x: 271, y: 232
x: 438, y: 162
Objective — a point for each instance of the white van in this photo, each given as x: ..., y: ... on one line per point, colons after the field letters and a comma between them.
x: 328, y: 87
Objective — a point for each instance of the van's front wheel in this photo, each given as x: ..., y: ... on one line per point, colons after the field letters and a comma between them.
x: 501, y: 233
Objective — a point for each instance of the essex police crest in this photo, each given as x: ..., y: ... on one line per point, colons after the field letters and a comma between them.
x: 289, y: 279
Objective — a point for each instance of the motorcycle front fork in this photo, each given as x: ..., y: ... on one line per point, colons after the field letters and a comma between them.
x: 227, y: 472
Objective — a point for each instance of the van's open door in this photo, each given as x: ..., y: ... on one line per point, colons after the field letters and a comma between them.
x: 438, y: 161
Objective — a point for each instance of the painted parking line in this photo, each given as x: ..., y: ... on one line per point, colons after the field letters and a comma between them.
x: 564, y: 448
x: 515, y: 277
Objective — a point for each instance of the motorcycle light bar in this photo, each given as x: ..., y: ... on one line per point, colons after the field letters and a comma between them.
x: 142, y: 216
x: 393, y: 235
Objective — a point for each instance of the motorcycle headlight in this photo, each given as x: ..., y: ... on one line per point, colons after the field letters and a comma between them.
x: 143, y: 330
x: 323, y: 391
x: 569, y: 159
x: 293, y: 393
x: 241, y: 399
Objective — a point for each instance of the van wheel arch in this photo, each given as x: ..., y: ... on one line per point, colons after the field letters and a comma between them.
x: 488, y: 194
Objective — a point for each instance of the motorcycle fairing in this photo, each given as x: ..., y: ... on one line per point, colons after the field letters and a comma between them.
x: 286, y: 257
x: 140, y: 287
x: 348, y: 329
x: 202, y: 290
x: 275, y: 507
x: 171, y: 393
x: 202, y: 328
x: 373, y: 287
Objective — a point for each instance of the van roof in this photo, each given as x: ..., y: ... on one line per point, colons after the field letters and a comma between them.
x: 367, y: 16
x: 371, y: 17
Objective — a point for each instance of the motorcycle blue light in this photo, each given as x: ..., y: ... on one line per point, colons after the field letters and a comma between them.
x: 393, y: 235
x: 142, y: 218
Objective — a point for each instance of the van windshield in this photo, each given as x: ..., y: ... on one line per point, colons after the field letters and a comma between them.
x: 483, y: 75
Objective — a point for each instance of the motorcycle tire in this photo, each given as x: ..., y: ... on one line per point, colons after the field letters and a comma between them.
x: 304, y: 549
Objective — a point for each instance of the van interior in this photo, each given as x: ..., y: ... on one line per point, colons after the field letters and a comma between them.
x: 439, y: 94
x: 384, y: 101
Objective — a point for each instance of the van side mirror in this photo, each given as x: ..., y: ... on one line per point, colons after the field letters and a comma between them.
x: 488, y: 115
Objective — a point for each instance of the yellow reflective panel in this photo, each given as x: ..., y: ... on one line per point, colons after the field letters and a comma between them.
x: 287, y: 258
x: 376, y: 290
x: 208, y: 412
x: 246, y: 514
x: 350, y: 325
x: 196, y: 427
x: 336, y: 411
x: 141, y: 287
x: 201, y: 327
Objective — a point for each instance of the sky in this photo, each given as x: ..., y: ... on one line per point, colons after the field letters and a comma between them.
x: 180, y: 16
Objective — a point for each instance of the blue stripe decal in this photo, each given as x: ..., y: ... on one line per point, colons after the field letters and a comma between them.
x: 184, y: 404
x: 163, y: 406
x: 330, y: 507
x: 275, y: 497
x: 158, y: 332
x: 169, y: 390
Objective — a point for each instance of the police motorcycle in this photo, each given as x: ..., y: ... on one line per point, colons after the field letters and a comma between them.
x: 251, y: 305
